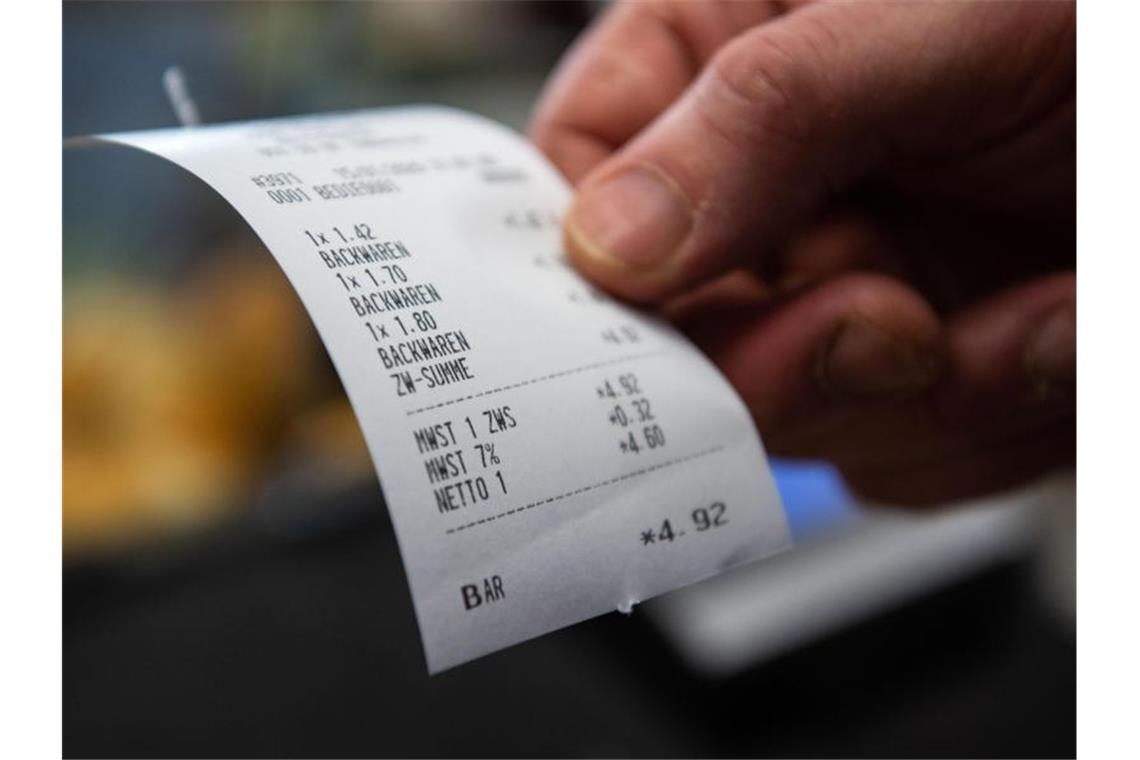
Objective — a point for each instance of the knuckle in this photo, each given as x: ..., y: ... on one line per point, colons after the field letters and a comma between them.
x: 758, y: 75
x: 776, y: 91
x: 754, y: 91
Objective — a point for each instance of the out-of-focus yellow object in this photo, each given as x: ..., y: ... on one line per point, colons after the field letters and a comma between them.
x: 328, y: 435
x: 176, y: 403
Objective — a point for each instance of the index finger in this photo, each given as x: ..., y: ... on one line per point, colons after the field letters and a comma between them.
x: 626, y: 70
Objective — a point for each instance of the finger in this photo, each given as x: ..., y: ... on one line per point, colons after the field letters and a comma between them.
x: 841, y: 242
x: 626, y: 70
x: 852, y: 338
x: 1013, y: 350
x: 794, y: 111
x: 1001, y: 413
x: 1008, y: 362
x: 846, y: 241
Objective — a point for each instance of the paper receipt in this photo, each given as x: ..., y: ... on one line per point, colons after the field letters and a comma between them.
x: 547, y: 454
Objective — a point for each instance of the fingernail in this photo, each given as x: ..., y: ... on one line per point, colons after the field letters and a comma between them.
x: 636, y: 218
x: 863, y: 359
x: 1051, y: 356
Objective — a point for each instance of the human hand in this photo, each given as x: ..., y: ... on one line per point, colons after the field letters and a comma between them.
x: 863, y: 212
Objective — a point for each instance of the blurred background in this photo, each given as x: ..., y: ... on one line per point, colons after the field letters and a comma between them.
x: 231, y: 582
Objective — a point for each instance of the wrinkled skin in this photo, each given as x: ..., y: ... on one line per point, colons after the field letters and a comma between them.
x: 863, y: 212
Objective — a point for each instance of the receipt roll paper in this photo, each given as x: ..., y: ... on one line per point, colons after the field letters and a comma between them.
x: 547, y: 454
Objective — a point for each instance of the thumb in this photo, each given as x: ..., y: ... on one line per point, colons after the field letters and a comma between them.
x: 792, y: 112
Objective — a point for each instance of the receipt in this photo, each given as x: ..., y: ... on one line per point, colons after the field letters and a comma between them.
x: 546, y: 453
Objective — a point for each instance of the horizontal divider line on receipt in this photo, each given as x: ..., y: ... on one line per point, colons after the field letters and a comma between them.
x: 534, y: 380
x: 591, y: 487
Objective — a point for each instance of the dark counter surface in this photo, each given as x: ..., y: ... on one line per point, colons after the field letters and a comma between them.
x: 302, y: 642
